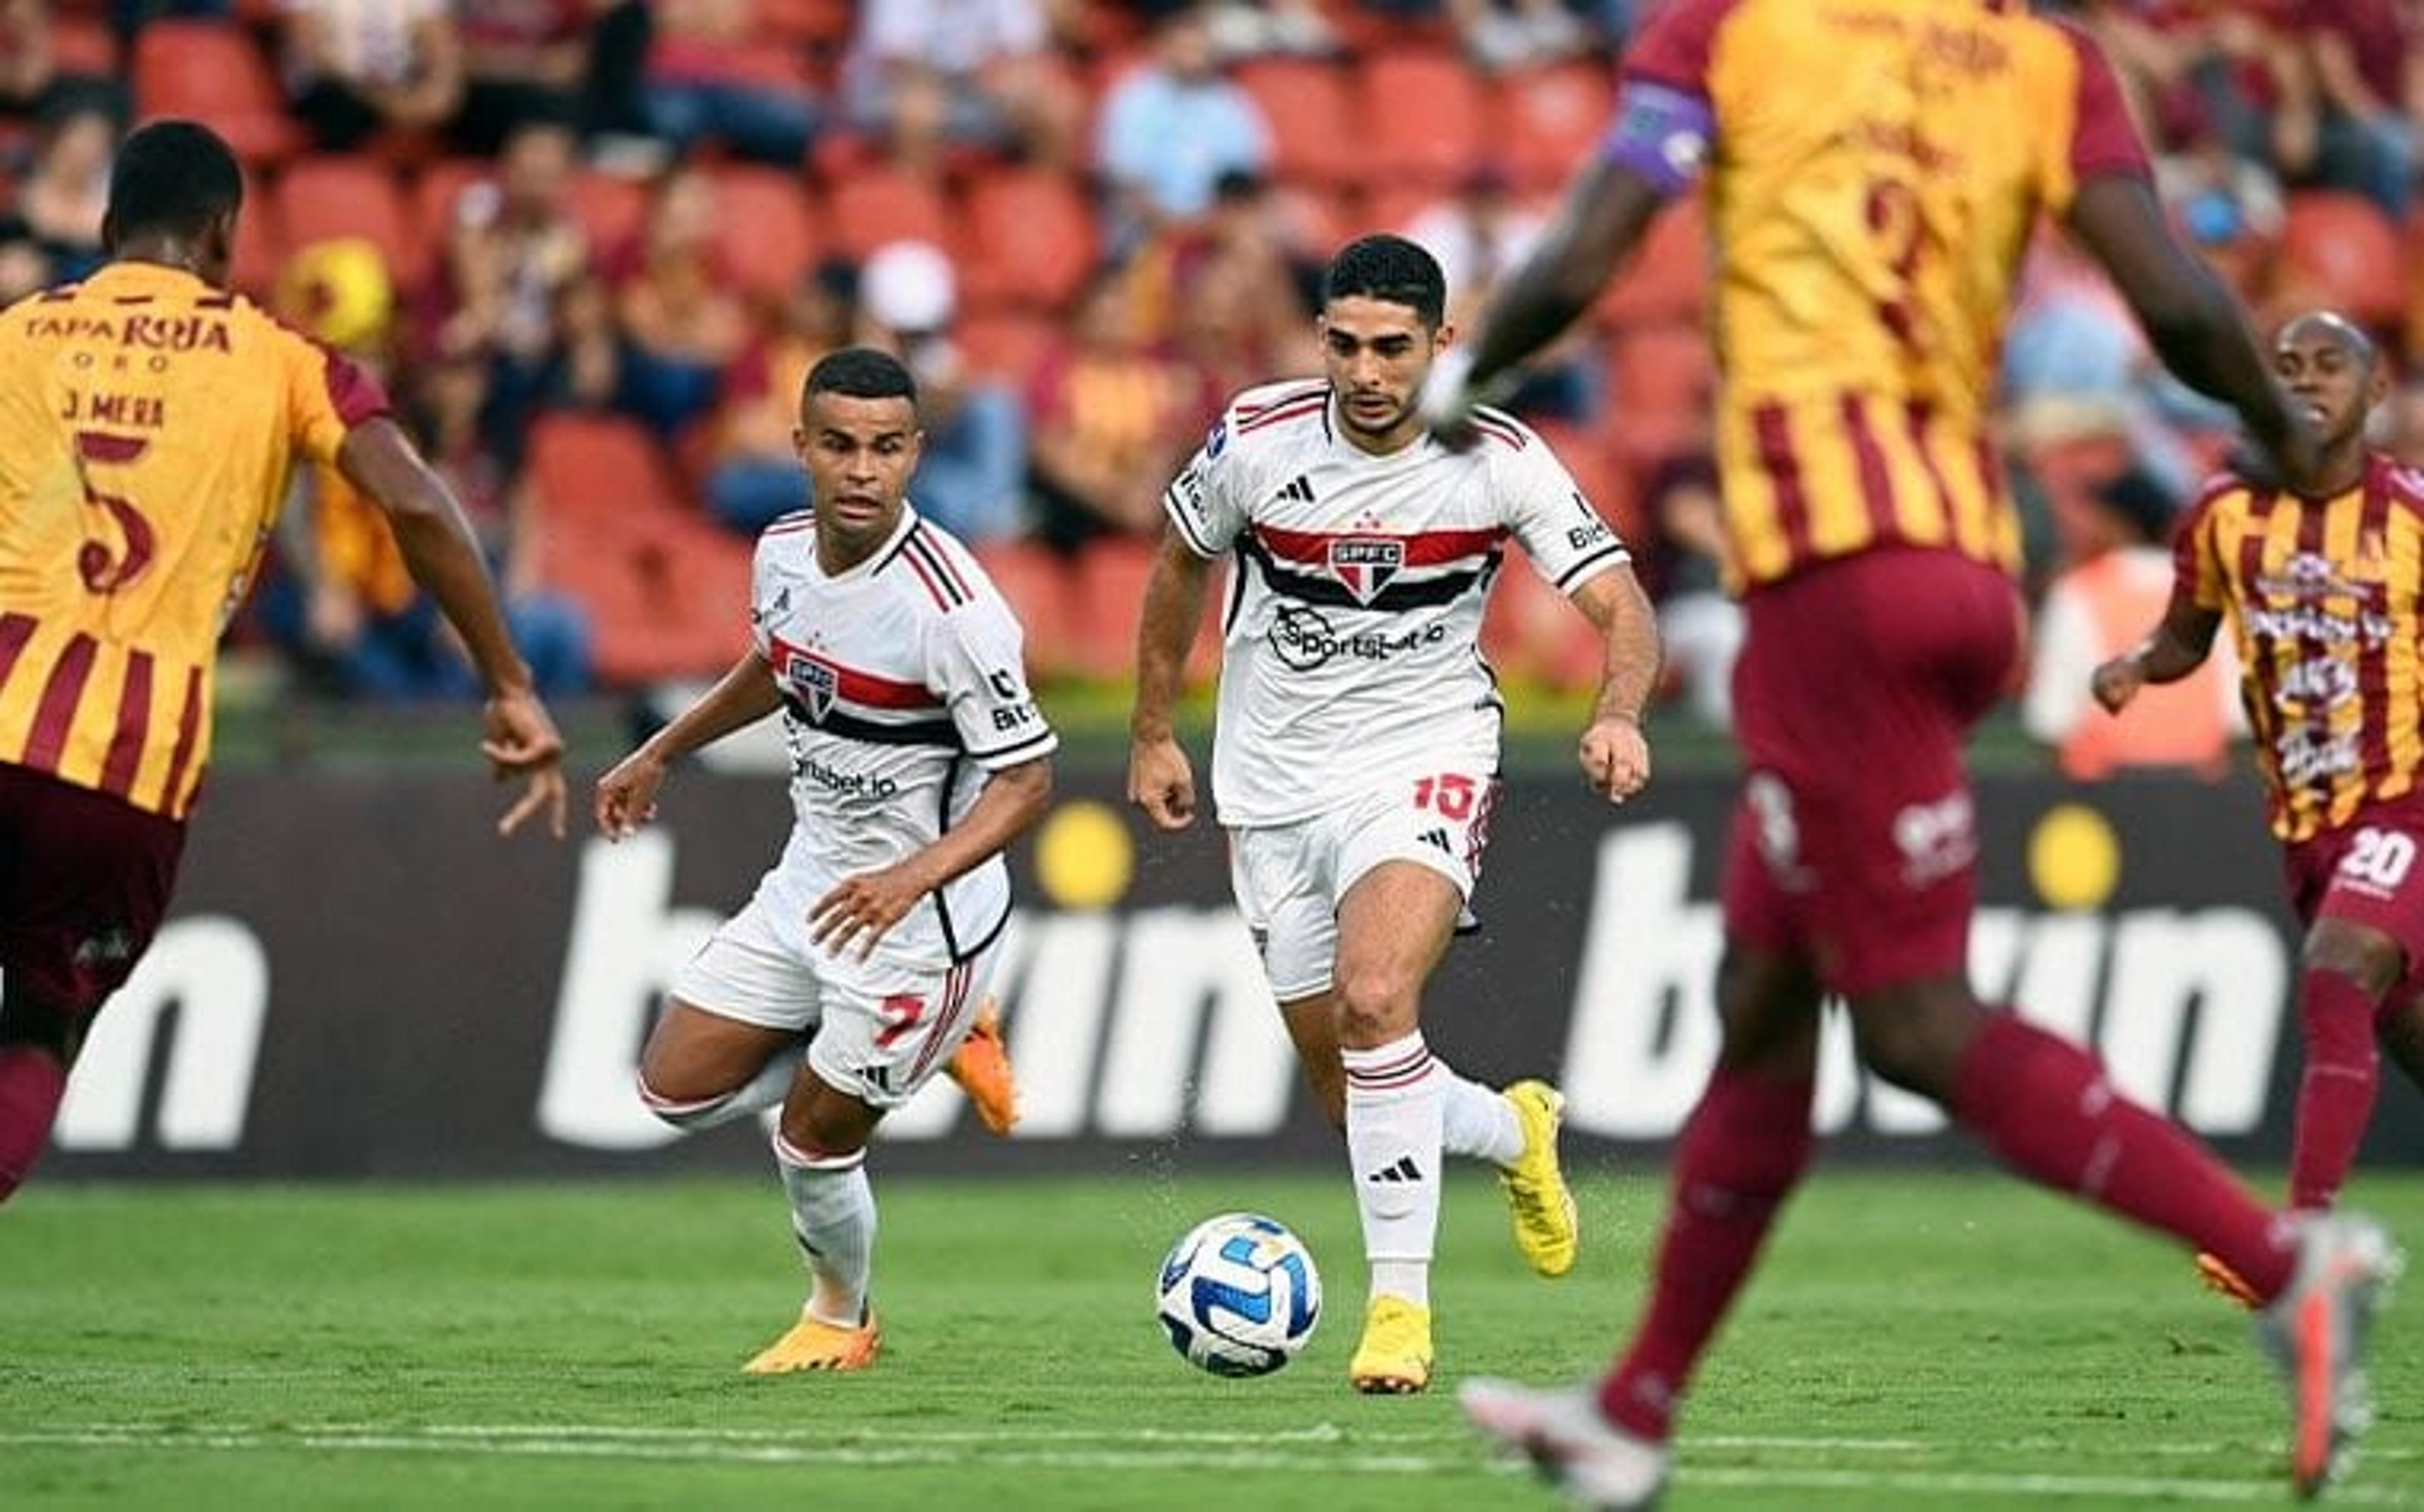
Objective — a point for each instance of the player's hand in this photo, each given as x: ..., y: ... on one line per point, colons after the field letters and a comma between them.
x: 2116, y: 683
x: 1448, y: 398
x: 625, y: 798
x: 863, y: 908
x: 1616, y: 758
x: 521, y: 739
x: 1162, y: 783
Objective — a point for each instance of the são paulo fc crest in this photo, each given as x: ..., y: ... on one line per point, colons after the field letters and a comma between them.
x: 1365, y: 563
x: 817, y: 683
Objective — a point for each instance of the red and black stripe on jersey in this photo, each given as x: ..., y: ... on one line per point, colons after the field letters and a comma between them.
x: 1436, y: 567
x: 839, y: 699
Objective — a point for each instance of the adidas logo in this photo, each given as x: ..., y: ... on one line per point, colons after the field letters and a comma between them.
x: 1404, y: 1171
x: 1437, y: 837
x: 1301, y: 490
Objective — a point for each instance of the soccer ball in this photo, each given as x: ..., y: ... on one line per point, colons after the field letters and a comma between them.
x: 1239, y: 1294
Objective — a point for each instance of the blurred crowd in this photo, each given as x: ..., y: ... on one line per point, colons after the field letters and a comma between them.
x: 593, y: 245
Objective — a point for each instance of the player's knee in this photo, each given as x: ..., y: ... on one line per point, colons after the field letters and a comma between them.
x: 2368, y: 958
x: 1376, y: 1001
x: 816, y: 1125
x: 1915, y: 1036
x: 671, y: 1106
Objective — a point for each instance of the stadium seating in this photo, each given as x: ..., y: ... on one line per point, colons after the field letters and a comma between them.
x: 1668, y: 277
x: 2339, y: 250
x: 1546, y: 121
x: 1314, y: 137
x: 323, y: 198
x: 212, y: 71
x: 1421, y: 118
x: 885, y: 204
x: 765, y: 235
x: 1040, y: 586
x: 1029, y: 239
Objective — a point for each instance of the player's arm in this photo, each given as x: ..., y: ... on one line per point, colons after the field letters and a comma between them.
x: 626, y: 796
x: 1605, y: 214
x: 861, y: 909
x: 1160, y: 781
x: 1614, y: 754
x: 2190, y: 318
x: 2178, y: 646
x: 443, y: 558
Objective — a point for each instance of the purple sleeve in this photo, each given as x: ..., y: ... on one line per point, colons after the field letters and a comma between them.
x: 1662, y: 133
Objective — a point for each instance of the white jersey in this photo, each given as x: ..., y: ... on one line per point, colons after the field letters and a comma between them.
x: 902, y: 686
x: 1352, y: 636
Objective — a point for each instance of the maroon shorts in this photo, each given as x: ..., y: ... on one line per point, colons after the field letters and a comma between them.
x: 2369, y: 871
x: 84, y: 882
x: 1854, y: 843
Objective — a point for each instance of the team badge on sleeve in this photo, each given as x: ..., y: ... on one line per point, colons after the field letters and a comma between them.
x: 1365, y: 563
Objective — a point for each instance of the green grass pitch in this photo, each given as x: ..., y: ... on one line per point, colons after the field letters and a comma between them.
x: 1916, y: 1341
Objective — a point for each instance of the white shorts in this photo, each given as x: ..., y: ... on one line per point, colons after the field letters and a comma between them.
x: 1289, y: 877
x: 879, y: 1029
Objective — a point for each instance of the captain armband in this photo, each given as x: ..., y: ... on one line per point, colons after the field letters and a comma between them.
x: 1662, y: 133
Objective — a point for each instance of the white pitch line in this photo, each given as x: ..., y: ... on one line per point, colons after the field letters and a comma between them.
x: 677, y: 1445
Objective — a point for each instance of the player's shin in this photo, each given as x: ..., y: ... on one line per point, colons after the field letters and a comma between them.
x: 32, y: 1082
x: 2337, y: 1087
x: 1395, y: 1104
x: 833, y: 1213
x: 1477, y: 1122
x: 2043, y: 1105
x: 1741, y: 1153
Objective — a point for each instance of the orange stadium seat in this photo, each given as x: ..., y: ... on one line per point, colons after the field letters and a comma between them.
x: 1006, y: 343
x: 764, y: 230
x: 1029, y: 238
x: 885, y: 204
x: 1546, y: 119
x: 322, y: 198
x: 259, y: 249
x: 1314, y: 138
x: 212, y: 73
x: 2339, y: 250
x: 1668, y: 277
x: 813, y: 23
x: 1421, y: 112
x: 1040, y: 586
x: 1663, y: 371
x: 611, y: 209
x: 1111, y: 575
x: 433, y: 193
x: 84, y: 44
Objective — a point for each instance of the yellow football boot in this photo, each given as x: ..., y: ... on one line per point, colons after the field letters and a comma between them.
x: 1394, y: 1357
x: 1536, y: 1196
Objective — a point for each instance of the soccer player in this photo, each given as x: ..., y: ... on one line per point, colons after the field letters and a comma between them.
x: 2328, y: 610
x: 917, y: 755
x: 1869, y: 215
x: 148, y: 418
x: 1355, y: 763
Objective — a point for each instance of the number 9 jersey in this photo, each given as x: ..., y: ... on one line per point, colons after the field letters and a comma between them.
x: 147, y: 424
x: 1874, y: 170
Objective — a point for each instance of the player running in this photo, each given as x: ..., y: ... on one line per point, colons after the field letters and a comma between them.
x: 2323, y: 595
x: 1356, y: 758
x: 1870, y: 216
x: 148, y: 421
x: 917, y: 755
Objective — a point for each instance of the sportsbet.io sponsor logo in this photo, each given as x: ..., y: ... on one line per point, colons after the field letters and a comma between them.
x: 1303, y: 639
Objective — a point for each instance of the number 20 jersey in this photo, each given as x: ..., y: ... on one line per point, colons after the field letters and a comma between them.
x: 902, y: 685
x: 1351, y: 632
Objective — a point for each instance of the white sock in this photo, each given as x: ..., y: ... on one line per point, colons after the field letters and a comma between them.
x: 1395, y: 1097
x: 1479, y: 1122
x: 833, y: 1213
x: 758, y: 1093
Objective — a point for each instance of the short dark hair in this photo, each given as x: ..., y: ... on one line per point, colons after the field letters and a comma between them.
x: 173, y: 176
x: 1389, y: 269
x: 860, y: 373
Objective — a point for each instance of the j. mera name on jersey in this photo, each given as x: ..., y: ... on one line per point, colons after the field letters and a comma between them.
x: 143, y: 411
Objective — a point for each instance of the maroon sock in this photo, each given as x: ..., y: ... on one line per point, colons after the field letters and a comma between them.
x: 1739, y: 1156
x: 2336, y: 1092
x: 2043, y: 1104
x: 31, y: 1083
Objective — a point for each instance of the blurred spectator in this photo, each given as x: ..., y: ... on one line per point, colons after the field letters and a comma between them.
x: 25, y: 58
x: 975, y: 452
x: 2401, y: 423
x: 709, y: 80
x: 923, y: 75
x: 1479, y: 234
x: 1242, y: 28
x: 756, y: 475
x: 1113, y: 419
x: 1699, y: 624
x: 514, y: 252
x: 2104, y: 604
x: 553, y: 60
x: 2367, y: 73
x: 1499, y: 35
x: 1171, y: 129
x: 674, y: 303
x: 355, y: 68
x: 56, y: 216
x: 1232, y: 289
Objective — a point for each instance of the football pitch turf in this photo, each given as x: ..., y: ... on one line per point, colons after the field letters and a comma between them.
x: 1916, y: 1341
